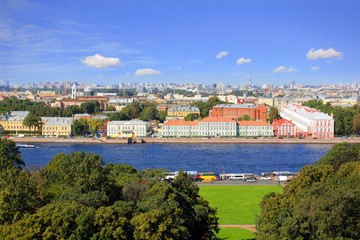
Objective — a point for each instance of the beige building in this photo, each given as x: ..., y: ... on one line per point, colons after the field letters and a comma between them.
x: 14, y: 121
x: 56, y: 126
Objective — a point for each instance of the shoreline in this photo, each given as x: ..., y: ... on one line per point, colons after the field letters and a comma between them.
x: 185, y: 141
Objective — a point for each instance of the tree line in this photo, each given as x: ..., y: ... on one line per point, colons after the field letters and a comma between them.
x: 77, y: 196
x: 40, y: 109
x: 322, y: 202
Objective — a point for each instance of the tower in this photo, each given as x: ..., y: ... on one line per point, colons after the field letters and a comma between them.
x: 250, y: 81
x: 73, y: 92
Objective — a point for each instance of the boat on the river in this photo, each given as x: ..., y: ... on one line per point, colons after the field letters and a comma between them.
x: 25, y: 146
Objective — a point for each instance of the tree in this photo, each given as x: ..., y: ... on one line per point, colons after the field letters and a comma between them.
x: 148, y: 113
x: 10, y: 154
x: 111, y: 108
x: 94, y: 124
x: 118, y: 116
x: 322, y: 202
x: 32, y: 121
x: 274, y: 114
x: 90, y: 107
x: 356, y: 124
x: 80, y: 126
x: 192, y: 117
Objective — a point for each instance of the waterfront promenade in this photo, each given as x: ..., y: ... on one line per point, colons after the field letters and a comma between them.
x: 187, y: 140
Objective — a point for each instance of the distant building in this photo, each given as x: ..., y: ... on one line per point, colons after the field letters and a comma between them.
x: 216, y: 127
x: 311, y: 122
x: 254, y: 129
x: 14, y: 121
x: 234, y: 111
x: 56, y: 126
x: 132, y: 128
x: 286, y: 128
x: 181, y: 112
x: 82, y: 115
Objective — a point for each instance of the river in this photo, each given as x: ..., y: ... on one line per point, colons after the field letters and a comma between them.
x: 235, y: 158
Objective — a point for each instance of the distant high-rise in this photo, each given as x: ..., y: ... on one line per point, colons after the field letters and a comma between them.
x: 292, y: 85
x: 4, y: 84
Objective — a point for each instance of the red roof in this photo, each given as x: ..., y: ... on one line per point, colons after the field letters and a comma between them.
x: 281, y: 121
x: 215, y: 119
x: 253, y: 123
x: 181, y: 123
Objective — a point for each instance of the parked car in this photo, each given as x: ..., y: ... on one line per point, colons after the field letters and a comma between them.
x: 250, y: 179
x: 266, y: 178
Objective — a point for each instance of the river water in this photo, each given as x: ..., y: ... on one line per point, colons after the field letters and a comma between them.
x: 235, y: 158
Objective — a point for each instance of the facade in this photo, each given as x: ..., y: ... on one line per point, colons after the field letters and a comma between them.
x: 254, y: 129
x: 56, y: 126
x: 132, y: 128
x: 286, y: 128
x: 309, y: 121
x: 180, y: 128
x: 216, y: 127
x: 14, y: 121
x: 234, y: 111
x: 181, y: 112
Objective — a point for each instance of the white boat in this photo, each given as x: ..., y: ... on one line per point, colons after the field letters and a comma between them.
x: 25, y: 146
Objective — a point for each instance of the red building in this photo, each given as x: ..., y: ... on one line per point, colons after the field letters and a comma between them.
x: 233, y: 111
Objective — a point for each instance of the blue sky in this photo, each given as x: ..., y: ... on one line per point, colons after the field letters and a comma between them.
x: 107, y: 42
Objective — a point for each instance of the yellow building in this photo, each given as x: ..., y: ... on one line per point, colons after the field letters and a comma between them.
x: 267, y: 101
x: 14, y: 121
x: 56, y: 126
x: 181, y: 112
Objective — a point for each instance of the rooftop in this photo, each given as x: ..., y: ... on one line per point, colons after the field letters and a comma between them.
x: 253, y: 123
x: 235, y: 106
x: 215, y: 119
x: 308, y: 112
x: 181, y: 123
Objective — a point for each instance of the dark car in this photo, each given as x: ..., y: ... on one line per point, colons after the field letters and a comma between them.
x: 250, y: 179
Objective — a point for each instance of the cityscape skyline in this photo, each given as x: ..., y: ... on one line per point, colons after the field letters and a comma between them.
x: 311, y: 43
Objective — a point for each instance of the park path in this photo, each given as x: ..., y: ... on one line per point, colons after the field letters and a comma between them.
x: 246, y: 227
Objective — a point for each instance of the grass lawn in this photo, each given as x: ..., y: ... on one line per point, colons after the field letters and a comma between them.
x: 236, y: 204
x: 235, y: 234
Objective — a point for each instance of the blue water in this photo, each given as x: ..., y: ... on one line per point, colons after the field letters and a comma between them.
x: 255, y: 158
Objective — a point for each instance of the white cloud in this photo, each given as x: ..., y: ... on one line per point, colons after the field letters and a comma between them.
x: 321, y: 53
x: 99, y: 61
x: 283, y: 69
x: 291, y: 69
x: 146, y: 72
x: 242, y: 61
x: 315, y: 68
x: 280, y: 69
x: 222, y: 54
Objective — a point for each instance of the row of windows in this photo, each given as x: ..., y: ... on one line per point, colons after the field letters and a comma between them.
x: 56, y: 128
x: 126, y: 128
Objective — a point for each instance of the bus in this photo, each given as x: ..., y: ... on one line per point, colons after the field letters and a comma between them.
x: 206, y: 177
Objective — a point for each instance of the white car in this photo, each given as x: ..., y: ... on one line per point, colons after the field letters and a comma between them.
x: 266, y: 178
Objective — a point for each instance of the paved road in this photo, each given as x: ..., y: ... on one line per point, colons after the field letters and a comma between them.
x: 240, y: 182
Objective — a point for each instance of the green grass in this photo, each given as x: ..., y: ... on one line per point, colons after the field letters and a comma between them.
x: 236, y: 204
x: 235, y: 234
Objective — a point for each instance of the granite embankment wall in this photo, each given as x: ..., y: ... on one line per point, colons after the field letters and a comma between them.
x: 186, y: 141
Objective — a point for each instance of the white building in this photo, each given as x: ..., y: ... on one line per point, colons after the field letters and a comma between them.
x: 312, y: 122
x: 216, y: 127
x: 132, y: 128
